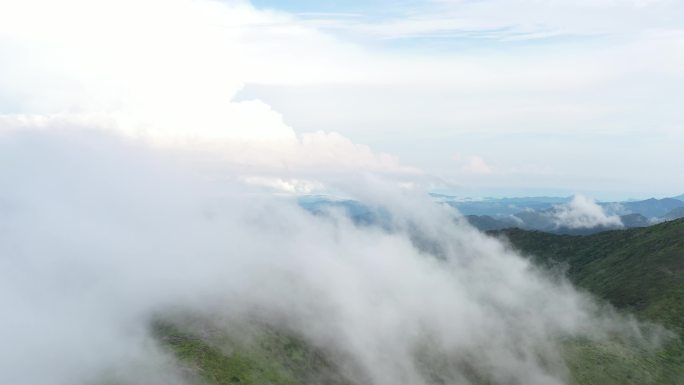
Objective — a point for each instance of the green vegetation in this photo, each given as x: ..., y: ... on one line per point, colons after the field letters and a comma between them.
x: 266, y: 357
x: 640, y: 271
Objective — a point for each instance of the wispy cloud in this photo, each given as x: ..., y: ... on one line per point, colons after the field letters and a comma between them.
x: 514, y: 20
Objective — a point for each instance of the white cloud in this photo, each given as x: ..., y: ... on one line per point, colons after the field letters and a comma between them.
x: 292, y: 186
x: 173, y: 84
x: 582, y: 213
x: 611, y: 73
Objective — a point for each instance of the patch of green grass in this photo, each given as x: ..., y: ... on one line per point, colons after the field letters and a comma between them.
x: 270, y: 358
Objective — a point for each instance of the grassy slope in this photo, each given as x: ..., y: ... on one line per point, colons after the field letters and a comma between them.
x: 640, y: 271
x: 270, y: 357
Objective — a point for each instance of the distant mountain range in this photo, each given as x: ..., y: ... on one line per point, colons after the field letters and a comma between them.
x: 653, y: 208
x: 537, y: 213
x: 546, y: 214
x: 499, y: 206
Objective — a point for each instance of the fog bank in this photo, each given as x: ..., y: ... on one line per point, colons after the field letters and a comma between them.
x: 100, y: 234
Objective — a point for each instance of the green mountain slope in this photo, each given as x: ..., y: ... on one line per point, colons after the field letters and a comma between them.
x: 640, y: 271
x: 254, y: 355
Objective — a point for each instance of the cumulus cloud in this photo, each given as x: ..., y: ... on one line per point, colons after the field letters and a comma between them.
x: 172, y: 87
x: 582, y: 213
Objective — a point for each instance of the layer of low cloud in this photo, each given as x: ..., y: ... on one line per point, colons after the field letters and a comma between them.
x: 100, y: 234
